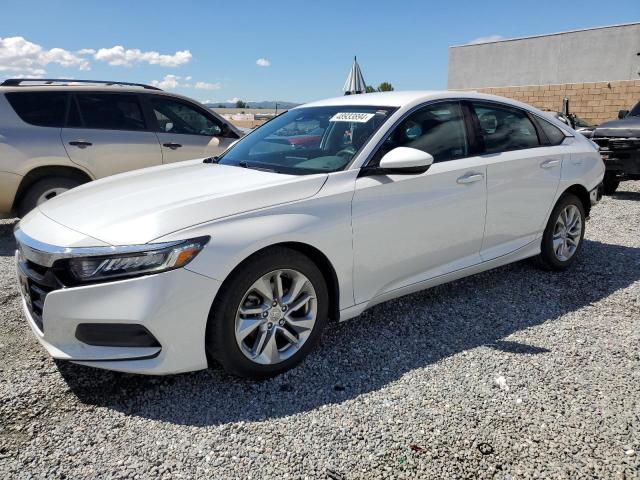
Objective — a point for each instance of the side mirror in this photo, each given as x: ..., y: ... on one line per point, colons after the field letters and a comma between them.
x: 622, y: 114
x: 401, y: 161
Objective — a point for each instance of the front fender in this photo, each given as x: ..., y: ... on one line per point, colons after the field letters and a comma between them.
x: 322, y: 222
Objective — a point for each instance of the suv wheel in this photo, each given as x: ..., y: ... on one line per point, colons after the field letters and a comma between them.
x: 268, y: 315
x: 562, y: 238
x: 44, y: 190
x: 610, y: 184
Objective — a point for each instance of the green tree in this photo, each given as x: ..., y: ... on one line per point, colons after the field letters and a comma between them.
x: 241, y: 104
x: 385, y: 87
x: 370, y: 89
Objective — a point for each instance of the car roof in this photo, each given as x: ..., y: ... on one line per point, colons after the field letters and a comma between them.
x: 407, y: 98
x: 92, y: 87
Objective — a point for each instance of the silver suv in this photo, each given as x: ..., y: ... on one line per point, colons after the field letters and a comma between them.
x: 56, y: 134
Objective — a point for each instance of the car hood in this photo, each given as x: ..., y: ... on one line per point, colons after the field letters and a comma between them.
x: 624, y: 128
x: 140, y: 206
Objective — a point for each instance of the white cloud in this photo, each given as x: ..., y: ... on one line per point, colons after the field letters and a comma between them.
x: 207, y: 86
x: 233, y: 100
x: 263, y: 62
x: 170, y: 82
x: 121, y: 57
x: 167, y: 83
x: 487, y: 39
x: 19, y: 55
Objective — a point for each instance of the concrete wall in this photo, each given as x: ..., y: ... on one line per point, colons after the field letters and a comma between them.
x: 592, y: 101
x: 595, y: 55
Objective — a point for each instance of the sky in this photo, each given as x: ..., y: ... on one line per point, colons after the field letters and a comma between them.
x: 271, y: 50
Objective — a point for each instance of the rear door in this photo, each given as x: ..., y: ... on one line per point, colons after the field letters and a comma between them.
x: 186, y: 131
x: 523, y: 174
x: 107, y: 133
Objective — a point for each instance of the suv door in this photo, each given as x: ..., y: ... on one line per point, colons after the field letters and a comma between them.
x: 186, y: 131
x: 107, y: 133
x: 523, y: 174
x: 409, y: 228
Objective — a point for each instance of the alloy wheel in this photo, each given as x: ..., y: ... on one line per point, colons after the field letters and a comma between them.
x: 567, y: 233
x: 276, y: 316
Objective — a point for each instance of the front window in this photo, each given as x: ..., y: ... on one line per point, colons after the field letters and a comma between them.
x: 177, y: 117
x: 437, y: 129
x: 308, y: 140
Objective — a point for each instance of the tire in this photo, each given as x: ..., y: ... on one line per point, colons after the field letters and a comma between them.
x: 241, y: 357
x: 610, y: 184
x: 549, y: 259
x: 49, y: 187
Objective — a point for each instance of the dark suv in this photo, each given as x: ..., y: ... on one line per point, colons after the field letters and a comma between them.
x: 619, y: 142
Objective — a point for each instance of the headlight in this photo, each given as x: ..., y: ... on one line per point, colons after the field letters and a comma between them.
x: 136, y: 260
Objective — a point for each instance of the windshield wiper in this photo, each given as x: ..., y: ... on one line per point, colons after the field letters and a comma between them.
x: 211, y: 160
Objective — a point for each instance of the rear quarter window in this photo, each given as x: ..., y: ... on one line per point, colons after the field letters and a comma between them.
x: 44, y: 109
x: 553, y: 133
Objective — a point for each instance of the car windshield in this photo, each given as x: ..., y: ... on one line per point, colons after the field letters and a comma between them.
x: 635, y: 111
x: 308, y: 140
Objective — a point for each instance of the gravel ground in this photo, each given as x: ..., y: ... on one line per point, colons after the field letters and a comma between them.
x: 514, y: 373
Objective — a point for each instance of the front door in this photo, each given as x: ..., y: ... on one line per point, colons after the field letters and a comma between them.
x: 409, y: 228
x: 107, y: 134
x: 185, y: 132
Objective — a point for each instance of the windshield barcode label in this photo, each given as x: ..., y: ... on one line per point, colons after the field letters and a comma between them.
x: 352, y: 117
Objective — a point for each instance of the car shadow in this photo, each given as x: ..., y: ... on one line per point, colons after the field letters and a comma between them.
x: 367, y: 353
x: 630, y: 195
x: 7, y: 242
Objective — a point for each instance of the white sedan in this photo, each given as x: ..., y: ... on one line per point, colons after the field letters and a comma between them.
x: 326, y: 210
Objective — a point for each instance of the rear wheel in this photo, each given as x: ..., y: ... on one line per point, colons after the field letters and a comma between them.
x: 610, y: 184
x: 562, y: 238
x: 268, y: 315
x: 44, y: 190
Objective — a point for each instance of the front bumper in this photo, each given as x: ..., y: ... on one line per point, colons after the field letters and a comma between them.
x: 621, y: 157
x: 173, y: 306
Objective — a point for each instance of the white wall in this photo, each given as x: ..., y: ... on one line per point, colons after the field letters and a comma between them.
x: 602, y: 54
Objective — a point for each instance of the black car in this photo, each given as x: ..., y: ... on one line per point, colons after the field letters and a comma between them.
x: 619, y: 142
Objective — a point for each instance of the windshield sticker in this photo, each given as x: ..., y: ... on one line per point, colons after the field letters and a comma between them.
x: 352, y: 117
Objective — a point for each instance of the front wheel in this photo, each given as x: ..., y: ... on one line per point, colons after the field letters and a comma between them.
x: 562, y: 238
x: 268, y: 315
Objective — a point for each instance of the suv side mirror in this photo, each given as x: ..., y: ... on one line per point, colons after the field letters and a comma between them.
x: 622, y: 114
x: 401, y: 161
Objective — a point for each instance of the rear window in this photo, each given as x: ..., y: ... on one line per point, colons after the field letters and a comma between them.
x: 111, y: 111
x: 44, y: 109
x: 553, y: 133
x: 505, y: 128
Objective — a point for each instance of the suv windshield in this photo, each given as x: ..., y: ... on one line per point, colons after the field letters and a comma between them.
x: 635, y: 111
x: 308, y: 140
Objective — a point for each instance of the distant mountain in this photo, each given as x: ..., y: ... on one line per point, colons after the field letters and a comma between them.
x: 264, y: 104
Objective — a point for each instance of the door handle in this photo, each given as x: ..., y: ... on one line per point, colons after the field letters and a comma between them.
x: 80, y: 143
x: 549, y: 163
x: 171, y: 145
x: 470, y: 178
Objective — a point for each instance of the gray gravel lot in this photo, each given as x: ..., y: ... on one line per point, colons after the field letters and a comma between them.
x: 408, y: 390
